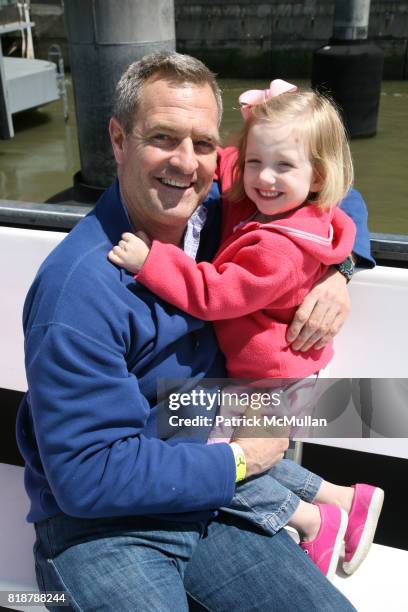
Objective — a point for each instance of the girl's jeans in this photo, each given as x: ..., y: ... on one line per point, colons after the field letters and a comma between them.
x: 268, y: 501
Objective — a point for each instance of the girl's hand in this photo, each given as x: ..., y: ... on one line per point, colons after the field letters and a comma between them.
x: 131, y: 252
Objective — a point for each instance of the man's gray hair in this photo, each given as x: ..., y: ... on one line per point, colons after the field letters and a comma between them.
x: 173, y: 66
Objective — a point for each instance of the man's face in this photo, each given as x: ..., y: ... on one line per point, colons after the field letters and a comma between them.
x: 166, y: 164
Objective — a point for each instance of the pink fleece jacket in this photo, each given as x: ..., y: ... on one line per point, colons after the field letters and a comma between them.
x: 258, y: 278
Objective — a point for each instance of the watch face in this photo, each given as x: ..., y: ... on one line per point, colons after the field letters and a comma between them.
x: 348, y: 264
x: 347, y: 267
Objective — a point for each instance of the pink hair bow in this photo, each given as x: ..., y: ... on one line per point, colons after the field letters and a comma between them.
x: 252, y: 97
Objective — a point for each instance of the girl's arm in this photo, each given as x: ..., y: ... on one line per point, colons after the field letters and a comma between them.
x: 255, y: 277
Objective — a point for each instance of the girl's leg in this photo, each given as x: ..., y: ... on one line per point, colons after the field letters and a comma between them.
x: 264, y: 502
x: 306, y: 520
x: 330, y: 493
x: 310, y: 487
x: 321, y: 526
x: 296, y: 478
x: 270, y: 506
x: 273, y: 503
x: 361, y: 502
x: 280, y: 498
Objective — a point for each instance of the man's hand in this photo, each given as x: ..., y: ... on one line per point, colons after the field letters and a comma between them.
x: 131, y: 252
x: 321, y: 314
x: 261, y: 453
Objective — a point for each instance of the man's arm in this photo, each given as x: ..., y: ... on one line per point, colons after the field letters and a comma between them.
x: 93, y: 424
x: 354, y: 206
x: 324, y: 310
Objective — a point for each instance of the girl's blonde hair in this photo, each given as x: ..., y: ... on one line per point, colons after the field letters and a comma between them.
x: 319, y: 124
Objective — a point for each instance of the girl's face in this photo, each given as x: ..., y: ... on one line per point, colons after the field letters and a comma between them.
x: 278, y: 174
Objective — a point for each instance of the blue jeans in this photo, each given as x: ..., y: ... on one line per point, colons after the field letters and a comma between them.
x: 134, y: 564
x: 269, y: 500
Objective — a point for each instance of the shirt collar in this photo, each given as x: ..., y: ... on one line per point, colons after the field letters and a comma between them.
x: 196, y: 222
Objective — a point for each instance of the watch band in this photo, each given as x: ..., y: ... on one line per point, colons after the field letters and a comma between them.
x: 240, y: 461
x: 346, y: 268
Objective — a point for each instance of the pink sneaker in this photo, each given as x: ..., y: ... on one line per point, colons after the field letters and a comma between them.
x: 325, y: 549
x: 362, y: 523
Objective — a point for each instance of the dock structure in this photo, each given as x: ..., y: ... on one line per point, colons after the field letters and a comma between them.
x: 24, y: 82
x: 105, y: 41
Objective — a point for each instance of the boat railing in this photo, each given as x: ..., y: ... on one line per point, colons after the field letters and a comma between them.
x: 392, y: 249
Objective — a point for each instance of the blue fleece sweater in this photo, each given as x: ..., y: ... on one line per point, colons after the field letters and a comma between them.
x: 96, y: 342
x: 354, y: 205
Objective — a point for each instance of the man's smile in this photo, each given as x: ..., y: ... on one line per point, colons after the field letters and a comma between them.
x: 174, y: 183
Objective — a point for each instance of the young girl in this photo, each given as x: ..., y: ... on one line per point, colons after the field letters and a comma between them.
x: 281, y: 231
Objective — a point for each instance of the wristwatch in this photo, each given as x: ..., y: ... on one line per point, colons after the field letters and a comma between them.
x: 346, y: 268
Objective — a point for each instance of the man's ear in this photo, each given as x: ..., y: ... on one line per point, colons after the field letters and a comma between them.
x: 118, y: 138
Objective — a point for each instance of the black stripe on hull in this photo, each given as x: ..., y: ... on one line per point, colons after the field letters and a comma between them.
x: 9, y: 403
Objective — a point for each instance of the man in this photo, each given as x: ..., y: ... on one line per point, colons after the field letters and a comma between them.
x: 125, y: 520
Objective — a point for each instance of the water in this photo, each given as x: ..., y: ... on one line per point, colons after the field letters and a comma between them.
x: 42, y: 158
x: 381, y: 163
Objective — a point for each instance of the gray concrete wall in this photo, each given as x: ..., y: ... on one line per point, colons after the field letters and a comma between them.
x: 250, y: 38
x: 256, y: 39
